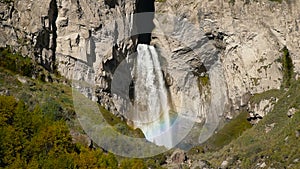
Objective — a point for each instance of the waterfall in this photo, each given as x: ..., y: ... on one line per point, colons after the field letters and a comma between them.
x: 151, y: 108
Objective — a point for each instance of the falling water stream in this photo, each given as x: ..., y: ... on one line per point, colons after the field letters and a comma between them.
x: 152, y: 113
x: 151, y: 98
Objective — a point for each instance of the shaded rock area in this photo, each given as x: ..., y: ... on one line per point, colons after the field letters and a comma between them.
x: 31, y: 29
x: 145, y: 23
x: 258, y: 110
x: 178, y: 157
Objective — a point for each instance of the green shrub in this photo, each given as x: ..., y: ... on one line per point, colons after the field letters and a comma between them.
x: 287, y: 66
x: 16, y: 63
x: 132, y: 164
x: 29, y: 139
x: 204, y: 80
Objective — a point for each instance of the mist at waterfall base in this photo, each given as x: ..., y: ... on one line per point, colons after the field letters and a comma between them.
x: 151, y: 108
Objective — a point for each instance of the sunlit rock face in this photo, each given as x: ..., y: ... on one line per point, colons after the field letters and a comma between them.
x: 252, y: 34
x: 236, y: 46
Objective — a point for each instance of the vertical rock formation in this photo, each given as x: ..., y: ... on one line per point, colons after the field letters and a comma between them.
x: 87, y: 40
x: 93, y: 39
x: 30, y: 27
x: 249, y: 35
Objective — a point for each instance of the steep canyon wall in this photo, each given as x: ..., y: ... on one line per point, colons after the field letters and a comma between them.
x: 86, y: 40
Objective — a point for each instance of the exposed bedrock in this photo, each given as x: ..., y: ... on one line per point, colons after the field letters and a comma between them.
x: 87, y: 40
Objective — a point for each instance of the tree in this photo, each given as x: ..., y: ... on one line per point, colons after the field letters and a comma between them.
x: 7, y: 108
x: 133, y: 164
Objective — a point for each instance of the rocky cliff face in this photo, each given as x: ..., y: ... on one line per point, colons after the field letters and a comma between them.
x: 30, y: 27
x: 219, y: 51
x: 83, y: 40
x: 250, y: 35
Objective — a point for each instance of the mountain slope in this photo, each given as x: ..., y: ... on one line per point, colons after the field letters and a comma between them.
x: 272, y: 142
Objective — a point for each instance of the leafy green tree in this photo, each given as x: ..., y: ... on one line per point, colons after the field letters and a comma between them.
x: 132, y: 164
x: 32, y: 139
x: 108, y: 161
x: 7, y: 108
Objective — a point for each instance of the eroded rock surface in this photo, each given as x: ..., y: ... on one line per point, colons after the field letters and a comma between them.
x: 237, y: 46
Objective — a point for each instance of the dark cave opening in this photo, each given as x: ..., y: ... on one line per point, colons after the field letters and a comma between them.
x: 144, y: 20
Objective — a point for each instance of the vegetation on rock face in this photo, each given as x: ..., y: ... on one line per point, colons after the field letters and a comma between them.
x: 203, y: 83
x: 229, y: 132
x: 274, y: 93
x: 287, y: 66
x: 120, y: 125
x: 273, y: 142
x: 35, y: 123
x: 133, y: 164
x: 25, y: 66
x: 204, y: 80
x: 16, y: 63
x: 31, y: 139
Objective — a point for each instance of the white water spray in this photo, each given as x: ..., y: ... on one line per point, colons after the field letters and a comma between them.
x: 151, y: 113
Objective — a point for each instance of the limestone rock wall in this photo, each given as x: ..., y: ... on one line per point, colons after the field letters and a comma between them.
x: 29, y: 27
x: 87, y: 39
x: 93, y: 38
x: 250, y: 35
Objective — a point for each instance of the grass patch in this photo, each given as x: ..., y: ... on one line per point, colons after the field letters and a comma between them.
x: 56, y: 101
x: 229, y: 132
x: 120, y: 125
x: 278, y: 148
x: 274, y: 93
